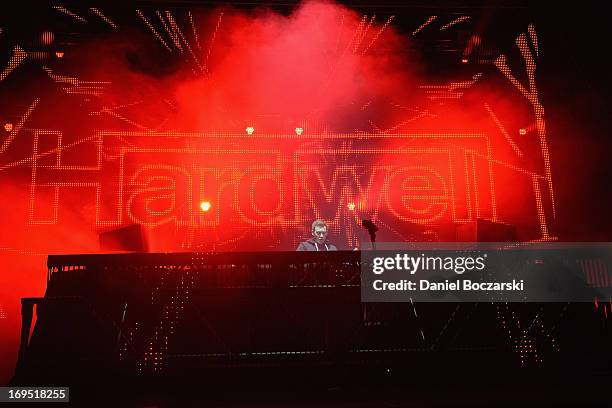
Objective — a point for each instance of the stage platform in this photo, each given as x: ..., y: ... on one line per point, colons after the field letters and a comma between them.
x: 284, y: 326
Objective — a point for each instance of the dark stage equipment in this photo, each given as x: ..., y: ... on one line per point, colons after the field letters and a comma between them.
x: 128, y: 239
x: 481, y: 230
x: 133, y: 323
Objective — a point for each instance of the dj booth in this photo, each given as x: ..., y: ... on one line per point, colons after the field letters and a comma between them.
x: 166, y: 318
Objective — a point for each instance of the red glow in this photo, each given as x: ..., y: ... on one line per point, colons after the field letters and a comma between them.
x: 8, y: 127
x: 284, y: 74
x: 376, y: 133
x: 303, y: 66
x: 46, y: 37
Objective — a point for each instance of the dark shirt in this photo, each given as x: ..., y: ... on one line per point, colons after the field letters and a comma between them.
x: 312, y: 245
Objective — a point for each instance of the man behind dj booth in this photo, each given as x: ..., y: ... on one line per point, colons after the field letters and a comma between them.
x: 318, y: 242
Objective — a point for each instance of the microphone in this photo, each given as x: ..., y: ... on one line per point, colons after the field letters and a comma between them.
x: 369, y: 225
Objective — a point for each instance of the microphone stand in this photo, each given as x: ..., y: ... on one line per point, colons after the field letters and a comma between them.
x: 369, y: 225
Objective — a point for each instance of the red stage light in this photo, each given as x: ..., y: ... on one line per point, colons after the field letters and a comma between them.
x: 464, y: 60
x: 8, y: 126
x: 46, y: 37
x: 205, y: 205
x: 523, y: 131
x: 351, y: 206
x: 59, y: 54
x: 250, y: 130
x: 298, y: 131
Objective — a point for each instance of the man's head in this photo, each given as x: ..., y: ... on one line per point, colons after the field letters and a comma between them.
x: 319, y: 231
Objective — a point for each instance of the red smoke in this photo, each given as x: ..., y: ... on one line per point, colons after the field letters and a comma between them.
x: 305, y: 66
x: 323, y: 67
